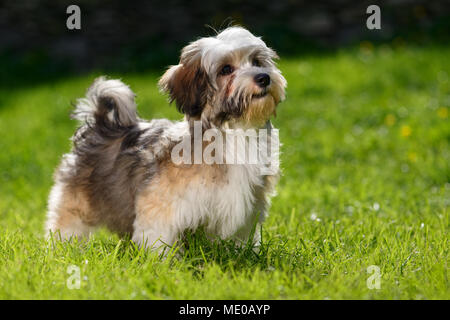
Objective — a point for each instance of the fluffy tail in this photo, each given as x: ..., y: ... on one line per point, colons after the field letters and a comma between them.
x: 107, y: 102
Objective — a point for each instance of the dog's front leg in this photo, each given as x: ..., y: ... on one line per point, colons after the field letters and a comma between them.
x: 154, y: 232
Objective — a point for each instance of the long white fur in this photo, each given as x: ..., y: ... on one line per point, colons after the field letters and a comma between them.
x: 226, y: 211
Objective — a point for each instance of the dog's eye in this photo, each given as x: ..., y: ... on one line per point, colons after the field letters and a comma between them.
x: 256, y: 63
x: 226, y: 70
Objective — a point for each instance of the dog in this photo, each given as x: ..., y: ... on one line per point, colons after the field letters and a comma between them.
x: 120, y: 173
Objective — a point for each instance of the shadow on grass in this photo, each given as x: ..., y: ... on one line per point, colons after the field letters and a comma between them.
x: 198, y: 249
x: 194, y: 251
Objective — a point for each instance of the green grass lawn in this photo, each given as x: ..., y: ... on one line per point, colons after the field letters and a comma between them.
x: 366, y: 181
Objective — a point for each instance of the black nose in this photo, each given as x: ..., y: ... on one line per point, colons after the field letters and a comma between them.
x: 262, y: 79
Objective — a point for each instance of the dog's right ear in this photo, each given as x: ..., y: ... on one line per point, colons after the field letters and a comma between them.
x: 187, y: 82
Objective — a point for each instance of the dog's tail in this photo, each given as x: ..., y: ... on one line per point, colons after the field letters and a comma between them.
x: 107, y: 103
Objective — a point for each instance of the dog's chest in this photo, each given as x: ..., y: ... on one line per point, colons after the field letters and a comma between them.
x: 223, y: 200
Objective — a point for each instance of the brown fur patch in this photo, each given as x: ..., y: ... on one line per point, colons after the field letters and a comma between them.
x: 74, y: 208
x: 259, y: 111
x: 188, y: 86
x: 154, y: 201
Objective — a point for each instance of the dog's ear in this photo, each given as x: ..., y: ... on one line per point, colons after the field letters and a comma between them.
x: 187, y: 82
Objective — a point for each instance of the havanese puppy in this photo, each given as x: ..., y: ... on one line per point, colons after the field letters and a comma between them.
x: 125, y: 173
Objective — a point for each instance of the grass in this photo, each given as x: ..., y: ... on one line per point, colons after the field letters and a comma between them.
x: 366, y: 155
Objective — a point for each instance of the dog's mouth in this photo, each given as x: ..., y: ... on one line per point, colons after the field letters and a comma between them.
x: 260, y: 95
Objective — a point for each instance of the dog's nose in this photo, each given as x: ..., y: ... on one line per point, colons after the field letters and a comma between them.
x: 262, y: 79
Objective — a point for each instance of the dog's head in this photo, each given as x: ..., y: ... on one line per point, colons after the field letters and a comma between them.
x: 227, y: 79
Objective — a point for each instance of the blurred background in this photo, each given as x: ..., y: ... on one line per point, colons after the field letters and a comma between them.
x: 365, y: 156
x: 138, y: 35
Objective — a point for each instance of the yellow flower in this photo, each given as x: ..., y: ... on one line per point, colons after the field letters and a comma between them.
x: 412, y: 156
x: 390, y: 120
x: 442, y: 112
x: 405, y: 131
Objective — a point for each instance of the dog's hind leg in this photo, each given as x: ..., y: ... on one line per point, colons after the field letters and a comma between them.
x: 155, y: 236
x: 68, y: 214
x: 154, y: 227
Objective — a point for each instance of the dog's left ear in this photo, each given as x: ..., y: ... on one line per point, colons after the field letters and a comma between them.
x: 187, y: 82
